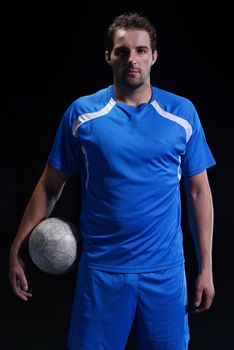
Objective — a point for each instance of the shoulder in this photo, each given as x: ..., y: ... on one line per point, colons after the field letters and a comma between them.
x: 175, y: 104
x: 86, y: 104
x: 91, y: 103
x: 88, y: 107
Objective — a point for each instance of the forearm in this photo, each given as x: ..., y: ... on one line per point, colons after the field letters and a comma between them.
x: 200, y: 207
x: 201, y: 223
x: 40, y: 206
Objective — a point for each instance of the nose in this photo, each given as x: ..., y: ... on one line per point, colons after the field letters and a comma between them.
x: 132, y: 59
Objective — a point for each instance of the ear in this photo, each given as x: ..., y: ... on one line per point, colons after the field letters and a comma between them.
x: 107, y: 57
x: 154, y: 57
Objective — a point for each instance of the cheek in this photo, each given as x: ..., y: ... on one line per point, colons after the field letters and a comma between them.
x: 117, y: 65
x: 146, y: 65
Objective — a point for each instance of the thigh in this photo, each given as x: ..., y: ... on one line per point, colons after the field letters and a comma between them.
x: 103, y: 311
x: 161, y: 318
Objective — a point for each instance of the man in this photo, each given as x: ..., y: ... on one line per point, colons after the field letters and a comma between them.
x: 131, y: 142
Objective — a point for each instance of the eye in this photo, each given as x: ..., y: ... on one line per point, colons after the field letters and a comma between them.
x: 121, y: 52
x: 142, y: 50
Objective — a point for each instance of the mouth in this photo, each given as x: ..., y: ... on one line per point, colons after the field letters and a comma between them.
x: 132, y: 72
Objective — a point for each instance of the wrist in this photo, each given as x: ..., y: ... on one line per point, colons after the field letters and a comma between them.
x: 205, y: 269
x: 15, y: 251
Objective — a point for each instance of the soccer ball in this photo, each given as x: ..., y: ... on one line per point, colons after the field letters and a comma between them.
x: 53, y: 245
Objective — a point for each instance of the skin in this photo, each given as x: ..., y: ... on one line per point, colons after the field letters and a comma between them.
x: 131, y: 60
x: 200, y: 207
x: 40, y: 206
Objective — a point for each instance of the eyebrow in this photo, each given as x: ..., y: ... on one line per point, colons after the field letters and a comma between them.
x: 143, y: 47
x: 137, y: 47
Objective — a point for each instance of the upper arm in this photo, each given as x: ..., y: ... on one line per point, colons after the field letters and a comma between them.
x: 196, y: 184
x: 53, y: 180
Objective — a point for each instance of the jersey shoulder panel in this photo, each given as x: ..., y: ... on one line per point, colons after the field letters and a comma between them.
x: 86, y: 107
x: 175, y: 104
x: 176, y: 108
x: 93, y: 106
x: 91, y: 103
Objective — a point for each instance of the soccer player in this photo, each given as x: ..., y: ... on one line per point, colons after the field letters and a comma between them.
x: 132, y: 143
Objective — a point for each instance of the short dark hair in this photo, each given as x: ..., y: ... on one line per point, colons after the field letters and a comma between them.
x: 130, y: 20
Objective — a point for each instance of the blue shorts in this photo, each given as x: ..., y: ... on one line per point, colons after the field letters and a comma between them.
x: 107, y: 303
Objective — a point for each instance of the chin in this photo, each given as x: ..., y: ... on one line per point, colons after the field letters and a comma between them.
x: 131, y: 83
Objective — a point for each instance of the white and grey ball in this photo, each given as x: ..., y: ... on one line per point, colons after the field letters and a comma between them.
x: 53, y: 245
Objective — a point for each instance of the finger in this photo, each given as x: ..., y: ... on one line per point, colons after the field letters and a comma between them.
x: 22, y: 293
x: 25, y: 287
x: 19, y: 288
x: 208, y: 299
x: 22, y: 282
x: 198, y: 297
x: 206, y: 302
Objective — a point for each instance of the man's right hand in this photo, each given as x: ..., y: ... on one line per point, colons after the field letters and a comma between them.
x: 18, y: 279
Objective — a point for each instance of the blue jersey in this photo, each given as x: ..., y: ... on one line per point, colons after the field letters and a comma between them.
x: 131, y: 160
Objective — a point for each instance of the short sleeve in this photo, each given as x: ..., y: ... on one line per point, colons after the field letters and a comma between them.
x: 197, y: 156
x: 65, y: 154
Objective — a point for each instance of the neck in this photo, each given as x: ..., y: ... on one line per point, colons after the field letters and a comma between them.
x: 133, y: 97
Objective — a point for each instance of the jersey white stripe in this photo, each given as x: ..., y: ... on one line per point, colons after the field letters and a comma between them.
x: 89, y: 116
x: 179, y: 168
x: 183, y: 122
x: 87, y: 166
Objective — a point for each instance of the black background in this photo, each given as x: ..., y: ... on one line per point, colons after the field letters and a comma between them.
x: 51, y: 56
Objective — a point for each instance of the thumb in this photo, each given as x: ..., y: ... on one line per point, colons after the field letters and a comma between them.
x: 198, y: 297
x: 22, y: 281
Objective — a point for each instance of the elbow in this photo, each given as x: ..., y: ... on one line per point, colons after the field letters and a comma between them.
x: 199, y: 193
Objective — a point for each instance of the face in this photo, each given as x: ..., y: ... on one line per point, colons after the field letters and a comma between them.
x: 131, y: 58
